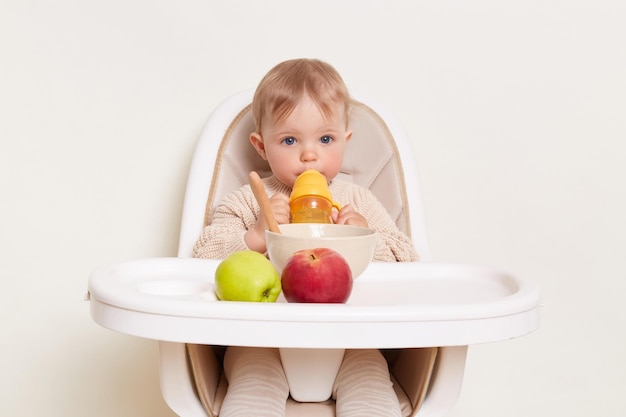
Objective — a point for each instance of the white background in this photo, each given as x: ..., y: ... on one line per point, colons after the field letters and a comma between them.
x: 516, y: 113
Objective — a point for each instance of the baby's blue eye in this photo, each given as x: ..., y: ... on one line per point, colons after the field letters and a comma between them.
x: 289, y: 141
x: 326, y: 139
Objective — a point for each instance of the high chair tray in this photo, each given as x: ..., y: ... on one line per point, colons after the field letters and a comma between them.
x: 393, y: 305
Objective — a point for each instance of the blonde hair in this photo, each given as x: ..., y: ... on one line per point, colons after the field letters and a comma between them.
x: 282, y: 88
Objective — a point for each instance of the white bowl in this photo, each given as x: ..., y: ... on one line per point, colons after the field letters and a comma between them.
x: 355, y: 244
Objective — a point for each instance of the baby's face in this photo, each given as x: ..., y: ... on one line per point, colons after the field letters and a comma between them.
x: 305, y: 140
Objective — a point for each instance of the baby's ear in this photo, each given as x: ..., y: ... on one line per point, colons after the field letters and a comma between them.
x: 257, y: 141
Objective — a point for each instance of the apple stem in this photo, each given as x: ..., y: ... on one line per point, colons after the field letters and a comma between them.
x: 312, y: 256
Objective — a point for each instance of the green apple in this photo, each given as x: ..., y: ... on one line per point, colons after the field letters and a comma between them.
x: 247, y: 276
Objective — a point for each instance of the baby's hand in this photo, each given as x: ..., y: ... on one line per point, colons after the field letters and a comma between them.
x: 279, y: 203
x: 255, y: 237
x: 347, y: 215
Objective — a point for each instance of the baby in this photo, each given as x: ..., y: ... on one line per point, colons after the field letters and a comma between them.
x: 300, y: 111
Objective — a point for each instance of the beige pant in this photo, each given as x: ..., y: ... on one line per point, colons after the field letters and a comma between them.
x: 257, y: 385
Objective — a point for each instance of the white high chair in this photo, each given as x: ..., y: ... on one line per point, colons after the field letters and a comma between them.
x: 373, y: 159
x: 424, y: 327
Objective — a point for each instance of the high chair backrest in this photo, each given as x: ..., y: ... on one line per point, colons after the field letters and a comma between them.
x: 378, y: 157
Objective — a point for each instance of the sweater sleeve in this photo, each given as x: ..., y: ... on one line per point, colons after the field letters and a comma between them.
x: 392, y: 244
x: 237, y: 213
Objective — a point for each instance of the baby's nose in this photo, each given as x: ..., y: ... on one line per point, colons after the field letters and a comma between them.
x: 308, y: 155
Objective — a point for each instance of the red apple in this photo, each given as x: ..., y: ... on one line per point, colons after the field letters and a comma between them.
x: 319, y: 275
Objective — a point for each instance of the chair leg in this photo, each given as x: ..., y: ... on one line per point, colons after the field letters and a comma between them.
x: 413, y: 370
x: 445, y: 385
x: 177, y: 384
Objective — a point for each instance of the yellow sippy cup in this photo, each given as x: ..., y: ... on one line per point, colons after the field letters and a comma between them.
x: 310, y: 200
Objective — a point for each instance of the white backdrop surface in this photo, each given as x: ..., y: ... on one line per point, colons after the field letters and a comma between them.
x: 516, y: 112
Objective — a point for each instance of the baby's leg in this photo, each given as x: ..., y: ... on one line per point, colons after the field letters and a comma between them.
x: 363, y: 386
x: 257, y: 385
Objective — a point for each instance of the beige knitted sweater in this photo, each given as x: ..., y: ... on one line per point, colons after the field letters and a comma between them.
x: 239, y: 211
